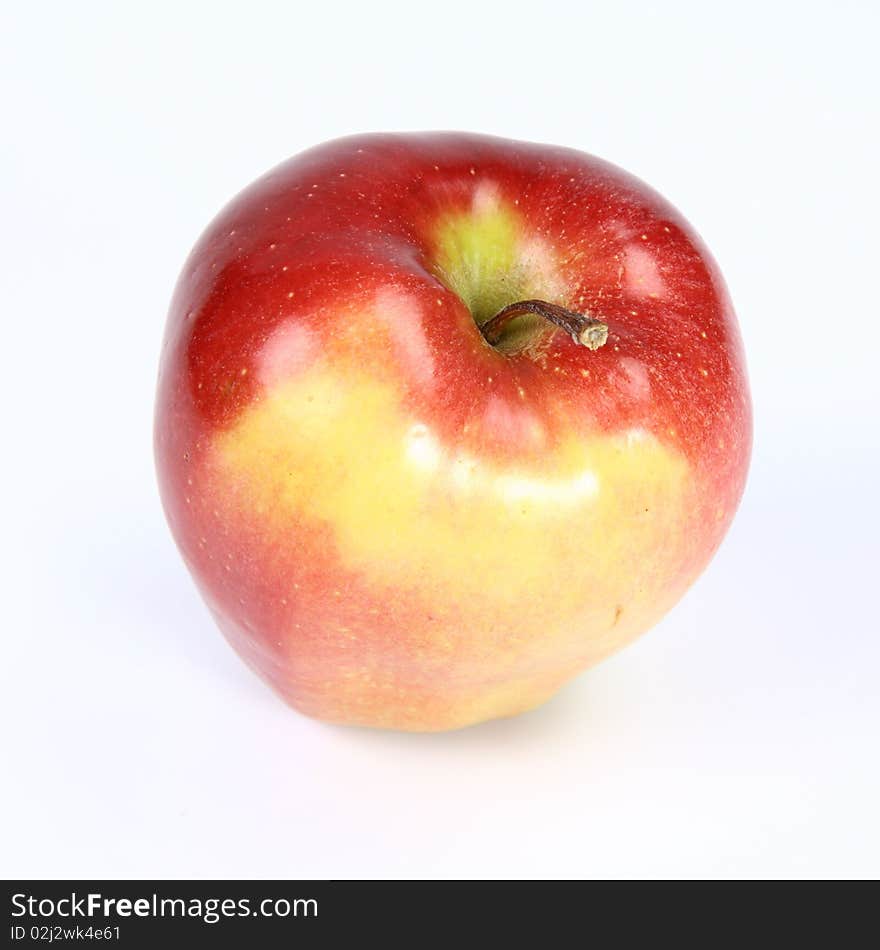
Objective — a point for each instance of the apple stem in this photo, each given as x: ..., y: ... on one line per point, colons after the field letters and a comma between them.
x: 585, y: 331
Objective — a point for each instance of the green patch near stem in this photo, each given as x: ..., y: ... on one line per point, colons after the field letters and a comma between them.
x: 479, y: 256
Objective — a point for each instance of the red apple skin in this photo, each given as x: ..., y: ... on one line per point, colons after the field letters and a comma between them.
x: 395, y: 523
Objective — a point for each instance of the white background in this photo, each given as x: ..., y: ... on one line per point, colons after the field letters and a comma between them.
x: 739, y: 738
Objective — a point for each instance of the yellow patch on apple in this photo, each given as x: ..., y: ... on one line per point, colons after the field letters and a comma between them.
x: 540, y: 547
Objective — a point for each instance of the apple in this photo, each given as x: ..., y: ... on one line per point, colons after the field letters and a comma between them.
x: 443, y: 420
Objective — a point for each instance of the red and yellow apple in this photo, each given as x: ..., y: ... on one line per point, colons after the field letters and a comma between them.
x: 403, y: 509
